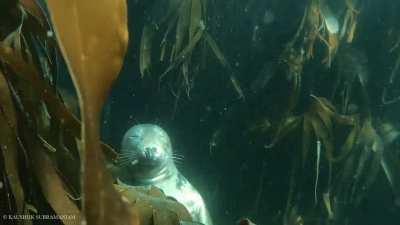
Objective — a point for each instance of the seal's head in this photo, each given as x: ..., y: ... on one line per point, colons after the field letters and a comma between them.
x: 146, y: 153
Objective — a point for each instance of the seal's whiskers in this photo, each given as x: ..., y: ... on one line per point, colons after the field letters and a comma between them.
x: 177, y: 163
x: 177, y: 160
x: 127, y: 154
x: 177, y: 156
x: 129, y: 159
x: 124, y: 162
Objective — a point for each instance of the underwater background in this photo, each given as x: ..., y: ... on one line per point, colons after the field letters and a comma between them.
x: 226, y: 133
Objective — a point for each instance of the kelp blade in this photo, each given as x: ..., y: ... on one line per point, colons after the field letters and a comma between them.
x: 8, y: 143
x: 93, y: 41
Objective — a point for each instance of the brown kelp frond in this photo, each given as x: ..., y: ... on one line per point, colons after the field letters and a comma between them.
x: 358, y: 158
x: 180, y: 28
x: 175, y: 38
x: 19, y: 80
x: 285, y: 127
x: 319, y: 121
x: 82, y: 39
x: 40, y: 136
x: 318, y: 23
x: 178, y: 32
x: 321, y: 24
x: 8, y: 143
x: 350, y: 20
x: 294, y: 60
x: 16, y: 40
x: 152, y: 205
x: 32, y: 105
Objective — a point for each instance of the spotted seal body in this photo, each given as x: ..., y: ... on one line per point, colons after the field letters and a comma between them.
x: 147, y: 159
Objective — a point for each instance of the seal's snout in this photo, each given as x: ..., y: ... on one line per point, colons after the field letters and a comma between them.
x: 152, y: 155
x: 150, y: 152
x: 148, y: 146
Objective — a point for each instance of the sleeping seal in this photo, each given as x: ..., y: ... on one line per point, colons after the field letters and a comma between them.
x: 146, y: 159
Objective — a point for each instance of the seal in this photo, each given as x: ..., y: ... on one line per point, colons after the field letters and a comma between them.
x: 147, y: 159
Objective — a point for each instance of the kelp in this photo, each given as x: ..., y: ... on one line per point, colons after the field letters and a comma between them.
x: 320, y: 119
x: 318, y: 23
x: 154, y: 206
x: 293, y: 60
x: 98, y: 205
x: 352, y: 76
x: 342, y: 142
x: 18, y: 65
x: 354, y: 158
x: 357, y: 158
x: 82, y: 40
x: 350, y: 20
x: 8, y: 127
x: 360, y: 153
x: 179, y: 29
x: 317, y: 122
x: 360, y: 169
x: 181, y: 33
x: 284, y: 127
x: 8, y: 143
x: 41, y: 136
x: 53, y: 187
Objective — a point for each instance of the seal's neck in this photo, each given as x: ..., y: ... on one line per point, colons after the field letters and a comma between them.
x: 138, y: 179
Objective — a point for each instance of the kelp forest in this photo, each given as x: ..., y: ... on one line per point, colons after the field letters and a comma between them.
x: 283, y: 112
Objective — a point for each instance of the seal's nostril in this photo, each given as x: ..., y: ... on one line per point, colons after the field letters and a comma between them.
x: 150, y: 152
x: 147, y: 154
x: 150, y: 149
